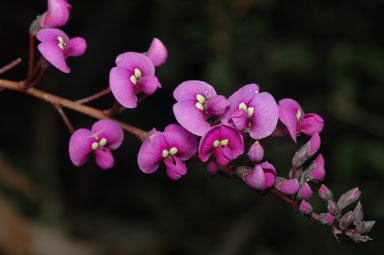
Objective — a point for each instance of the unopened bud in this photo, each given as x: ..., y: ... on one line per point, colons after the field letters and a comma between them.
x: 288, y: 187
x: 325, y: 219
x: 325, y: 193
x: 305, y: 208
x: 333, y: 208
x: 348, y: 198
x: 346, y: 221
x: 305, y: 192
x: 306, y: 151
x: 242, y: 171
x: 358, y: 214
x: 212, y: 167
x: 365, y: 226
x: 256, y: 152
x: 358, y: 238
x: 318, y: 171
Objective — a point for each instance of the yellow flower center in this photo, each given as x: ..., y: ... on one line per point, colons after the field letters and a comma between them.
x: 136, y: 76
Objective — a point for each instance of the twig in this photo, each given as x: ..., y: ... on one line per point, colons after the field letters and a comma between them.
x: 63, y: 102
x: 10, y: 65
x: 65, y: 118
x: 94, y: 96
x: 113, y: 110
x: 30, y: 62
x: 38, y: 78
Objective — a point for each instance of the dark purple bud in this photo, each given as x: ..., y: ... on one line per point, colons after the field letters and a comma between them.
x: 358, y: 214
x: 256, y: 152
x: 324, y: 193
x: 212, y: 167
x: 346, y: 221
x: 325, y: 219
x: 365, y: 226
x: 305, y: 192
x: 358, y: 238
x: 348, y: 198
x: 333, y: 208
x: 305, y: 208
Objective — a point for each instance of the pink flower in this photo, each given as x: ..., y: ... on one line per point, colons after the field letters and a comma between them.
x: 288, y: 187
x: 57, y: 15
x: 56, y: 46
x: 292, y: 116
x: 225, y: 143
x: 262, y: 176
x: 105, y: 135
x: 318, y: 171
x: 252, y: 111
x: 172, y: 147
x: 305, y: 191
x: 197, y: 101
x: 256, y: 152
x: 133, y: 74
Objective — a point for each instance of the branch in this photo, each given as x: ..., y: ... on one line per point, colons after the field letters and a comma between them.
x: 63, y: 102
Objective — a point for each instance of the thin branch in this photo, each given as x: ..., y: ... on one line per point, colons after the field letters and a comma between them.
x: 65, y: 119
x: 9, y: 66
x: 56, y: 100
x: 31, y: 60
x: 94, y: 96
x: 38, y: 78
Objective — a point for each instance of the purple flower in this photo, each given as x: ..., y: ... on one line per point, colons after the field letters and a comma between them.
x: 256, y: 152
x: 318, y: 171
x: 292, y: 116
x: 57, y: 15
x: 173, y: 146
x: 305, y: 208
x: 134, y: 73
x: 105, y: 135
x: 305, y: 191
x: 196, y: 101
x: 252, y: 111
x: 262, y: 176
x: 157, y: 52
x: 288, y: 187
x: 225, y: 143
x: 56, y: 46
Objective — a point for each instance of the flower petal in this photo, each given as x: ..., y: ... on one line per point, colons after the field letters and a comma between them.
x: 80, y: 145
x: 75, y: 47
x: 265, y: 115
x: 188, y: 90
x: 109, y: 130
x: 51, y: 34
x: 236, y: 143
x: 239, y: 119
x: 157, y: 52
x: 223, y: 155
x: 54, y: 55
x: 256, y: 178
x: 191, y: 117
x: 150, y: 152
x: 217, y: 105
x: 289, y: 187
x: 122, y: 88
x: 184, y: 141
x: 310, y: 124
x: 148, y: 84
x: 175, y: 167
x: 57, y: 14
x: 132, y: 60
x: 288, y: 115
x: 104, y: 158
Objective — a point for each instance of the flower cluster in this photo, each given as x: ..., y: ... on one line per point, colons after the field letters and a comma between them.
x: 227, y: 134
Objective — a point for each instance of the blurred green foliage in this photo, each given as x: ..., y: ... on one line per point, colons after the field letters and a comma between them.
x: 328, y: 55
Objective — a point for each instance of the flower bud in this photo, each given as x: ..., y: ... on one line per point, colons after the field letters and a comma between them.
x: 333, y: 208
x: 346, y: 221
x: 212, y: 167
x: 365, y: 226
x: 256, y: 152
x: 325, y: 219
x: 305, y: 192
x: 324, y: 193
x: 306, y: 151
x: 348, y: 198
x: 318, y: 172
x: 288, y: 187
x: 358, y: 214
x: 305, y: 208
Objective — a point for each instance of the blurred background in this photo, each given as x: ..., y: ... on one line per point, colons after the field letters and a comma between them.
x: 328, y: 55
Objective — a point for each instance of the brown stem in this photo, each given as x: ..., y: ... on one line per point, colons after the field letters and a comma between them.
x: 10, y: 65
x: 38, y: 78
x: 94, y: 96
x: 56, y: 100
x: 31, y: 60
x: 113, y: 110
x: 65, y: 119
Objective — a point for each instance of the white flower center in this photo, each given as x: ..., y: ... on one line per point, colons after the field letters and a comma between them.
x: 298, y: 114
x: 136, y: 76
x: 61, y: 43
x: 245, y: 108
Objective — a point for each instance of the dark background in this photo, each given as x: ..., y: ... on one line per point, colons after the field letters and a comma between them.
x: 328, y: 55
